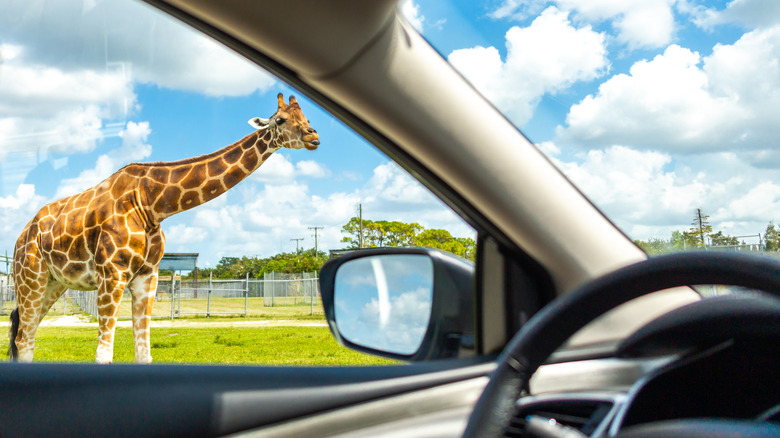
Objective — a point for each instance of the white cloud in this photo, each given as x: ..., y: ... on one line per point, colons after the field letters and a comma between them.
x: 761, y: 203
x: 149, y: 46
x: 749, y: 13
x: 548, y: 56
x: 16, y: 210
x: 661, y: 102
x: 48, y: 109
x: 133, y: 148
x: 638, y: 23
x: 185, y: 233
x: 312, y: 169
x: 390, y: 183
x: 671, y: 103
x: 406, y: 317
x: 650, y: 194
x: 518, y: 9
x: 411, y: 11
x: 278, y: 169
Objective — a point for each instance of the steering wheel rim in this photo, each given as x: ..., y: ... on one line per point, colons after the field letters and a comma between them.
x: 559, y: 320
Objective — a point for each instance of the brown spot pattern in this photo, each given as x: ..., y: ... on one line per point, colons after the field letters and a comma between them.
x: 232, y: 155
x: 159, y: 174
x: 194, y: 178
x: 233, y: 176
x: 216, y: 167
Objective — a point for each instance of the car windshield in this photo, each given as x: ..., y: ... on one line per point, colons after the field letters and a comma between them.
x: 662, y: 112
x: 88, y: 87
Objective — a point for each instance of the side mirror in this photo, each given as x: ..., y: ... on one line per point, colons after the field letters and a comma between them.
x: 408, y: 304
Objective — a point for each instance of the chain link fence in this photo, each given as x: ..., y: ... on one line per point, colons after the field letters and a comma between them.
x: 209, y: 297
x: 71, y: 302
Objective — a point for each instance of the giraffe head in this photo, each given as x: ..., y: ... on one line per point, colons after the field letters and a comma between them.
x: 288, y: 126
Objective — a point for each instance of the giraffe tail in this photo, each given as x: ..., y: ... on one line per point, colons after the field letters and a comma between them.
x: 13, y: 352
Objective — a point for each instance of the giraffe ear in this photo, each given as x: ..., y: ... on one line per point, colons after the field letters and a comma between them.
x: 258, y: 123
x: 280, y: 99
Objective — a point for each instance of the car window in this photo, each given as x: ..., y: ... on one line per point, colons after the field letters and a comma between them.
x: 88, y: 87
x: 661, y: 112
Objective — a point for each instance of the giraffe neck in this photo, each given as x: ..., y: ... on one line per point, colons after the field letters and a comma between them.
x: 168, y: 188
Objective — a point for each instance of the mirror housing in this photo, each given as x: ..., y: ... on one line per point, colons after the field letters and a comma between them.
x: 449, y: 331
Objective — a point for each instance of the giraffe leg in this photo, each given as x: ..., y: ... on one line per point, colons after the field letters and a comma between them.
x: 109, y: 295
x: 29, y: 303
x: 143, y: 290
x: 54, y: 291
x: 31, y: 313
x: 32, y: 285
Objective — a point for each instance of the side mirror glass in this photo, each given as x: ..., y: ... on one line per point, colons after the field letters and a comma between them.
x: 411, y: 304
x: 384, y: 302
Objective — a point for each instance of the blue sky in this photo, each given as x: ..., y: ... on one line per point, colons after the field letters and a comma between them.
x: 652, y: 108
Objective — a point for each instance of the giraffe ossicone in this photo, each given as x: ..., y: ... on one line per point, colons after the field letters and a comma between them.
x: 109, y: 238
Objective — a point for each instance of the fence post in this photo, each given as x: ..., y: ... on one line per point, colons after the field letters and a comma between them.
x: 273, y: 288
x: 178, y: 309
x: 246, y: 295
x: 208, y: 299
x: 173, y: 300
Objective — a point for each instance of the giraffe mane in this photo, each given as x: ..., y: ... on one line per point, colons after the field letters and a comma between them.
x: 192, y: 159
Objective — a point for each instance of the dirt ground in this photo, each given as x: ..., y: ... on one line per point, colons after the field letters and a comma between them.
x: 83, y: 321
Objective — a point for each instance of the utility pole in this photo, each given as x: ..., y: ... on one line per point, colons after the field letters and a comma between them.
x: 316, y: 253
x: 360, y: 236
x: 701, y: 227
x: 297, y: 242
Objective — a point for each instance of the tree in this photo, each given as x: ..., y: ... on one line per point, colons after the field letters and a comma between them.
x: 235, y: 267
x: 395, y: 233
x: 720, y: 239
x: 772, y: 238
x: 684, y: 240
x: 655, y: 245
x: 379, y: 233
x: 352, y: 229
x: 701, y: 227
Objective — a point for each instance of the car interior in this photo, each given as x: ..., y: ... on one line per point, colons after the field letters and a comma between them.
x: 561, y: 327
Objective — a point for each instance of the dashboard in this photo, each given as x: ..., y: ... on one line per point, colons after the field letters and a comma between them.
x: 697, y: 362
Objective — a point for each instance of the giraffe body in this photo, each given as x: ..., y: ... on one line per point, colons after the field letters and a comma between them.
x: 109, y: 238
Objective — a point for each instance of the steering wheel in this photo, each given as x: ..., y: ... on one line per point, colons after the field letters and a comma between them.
x: 555, y: 323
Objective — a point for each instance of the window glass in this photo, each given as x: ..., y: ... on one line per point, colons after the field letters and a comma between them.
x: 662, y: 112
x: 89, y: 87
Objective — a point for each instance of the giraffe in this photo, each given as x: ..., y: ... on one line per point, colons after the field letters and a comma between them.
x: 109, y: 238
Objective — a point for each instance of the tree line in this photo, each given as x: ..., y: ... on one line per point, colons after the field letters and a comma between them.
x: 256, y: 267
x: 372, y: 234
x: 365, y: 233
x: 701, y: 235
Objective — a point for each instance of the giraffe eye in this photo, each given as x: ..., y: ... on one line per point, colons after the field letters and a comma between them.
x: 280, y: 120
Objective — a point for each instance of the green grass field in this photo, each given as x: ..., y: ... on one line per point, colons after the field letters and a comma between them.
x: 275, y: 345
x: 299, y: 346
x: 284, y: 308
